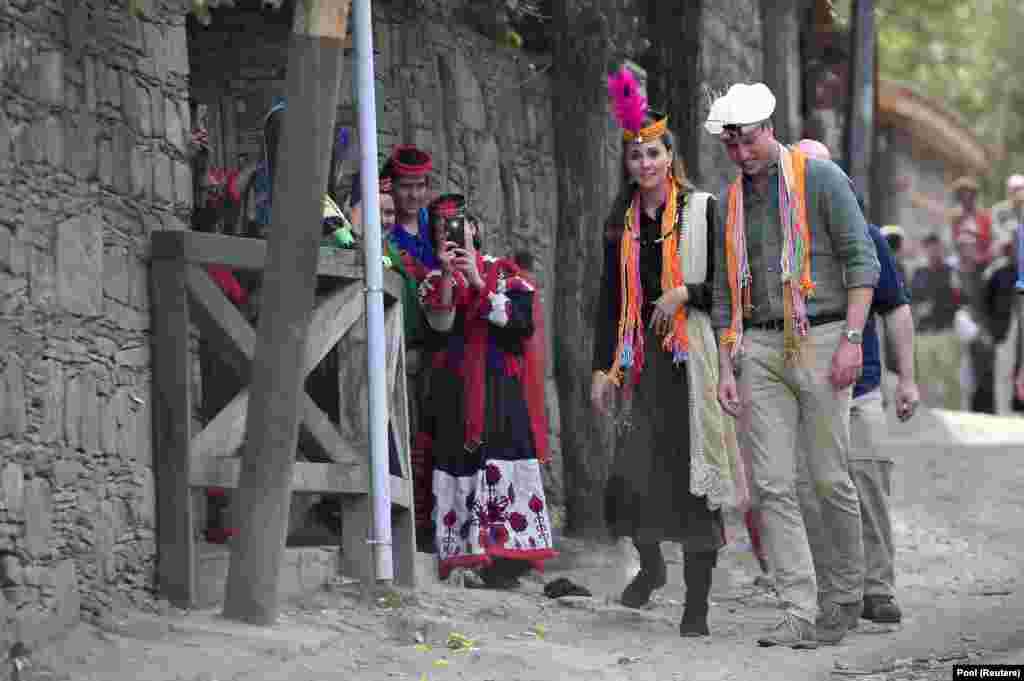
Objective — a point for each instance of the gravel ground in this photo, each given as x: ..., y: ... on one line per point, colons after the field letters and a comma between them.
x: 958, y: 523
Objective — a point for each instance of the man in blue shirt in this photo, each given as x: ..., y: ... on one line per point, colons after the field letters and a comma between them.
x: 870, y: 465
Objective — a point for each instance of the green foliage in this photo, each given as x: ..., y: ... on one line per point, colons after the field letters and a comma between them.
x: 966, y: 54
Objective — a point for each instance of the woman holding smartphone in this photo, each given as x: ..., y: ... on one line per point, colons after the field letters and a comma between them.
x: 490, y: 514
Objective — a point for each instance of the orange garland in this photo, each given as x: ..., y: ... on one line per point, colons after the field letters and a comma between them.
x: 629, y: 351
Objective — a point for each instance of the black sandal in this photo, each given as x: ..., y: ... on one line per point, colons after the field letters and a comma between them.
x: 565, y: 587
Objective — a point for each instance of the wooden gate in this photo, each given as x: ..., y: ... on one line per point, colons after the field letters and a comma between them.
x: 185, y: 462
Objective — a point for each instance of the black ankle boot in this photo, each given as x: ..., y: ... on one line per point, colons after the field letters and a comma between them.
x: 697, y: 569
x: 652, y: 576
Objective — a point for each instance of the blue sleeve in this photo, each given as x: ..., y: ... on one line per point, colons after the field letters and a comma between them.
x: 1020, y: 258
x: 891, y: 291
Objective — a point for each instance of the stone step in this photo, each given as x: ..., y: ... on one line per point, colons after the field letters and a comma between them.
x: 306, y: 570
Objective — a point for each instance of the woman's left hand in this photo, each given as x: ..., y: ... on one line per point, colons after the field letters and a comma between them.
x: 465, y: 262
x: 665, y: 309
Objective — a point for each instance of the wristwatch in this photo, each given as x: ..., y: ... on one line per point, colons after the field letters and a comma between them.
x: 855, y: 336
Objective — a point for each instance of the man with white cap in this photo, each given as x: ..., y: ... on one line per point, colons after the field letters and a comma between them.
x: 804, y: 350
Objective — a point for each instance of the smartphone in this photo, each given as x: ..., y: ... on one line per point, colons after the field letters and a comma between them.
x: 455, y: 231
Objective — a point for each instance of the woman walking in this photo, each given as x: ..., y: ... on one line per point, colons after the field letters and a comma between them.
x: 676, y: 452
x: 490, y: 514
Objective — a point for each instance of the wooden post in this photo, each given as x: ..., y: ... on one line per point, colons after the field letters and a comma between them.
x: 264, y: 487
x: 780, y: 35
x: 172, y: 415
x: 585, y: 167
x: 860, y: 118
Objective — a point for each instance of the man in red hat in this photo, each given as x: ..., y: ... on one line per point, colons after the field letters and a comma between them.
x: 409, y: 169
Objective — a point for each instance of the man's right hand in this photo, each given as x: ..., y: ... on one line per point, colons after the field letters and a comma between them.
x: 601, y: 393
x: 1020, y: 384
x: 729, y: 394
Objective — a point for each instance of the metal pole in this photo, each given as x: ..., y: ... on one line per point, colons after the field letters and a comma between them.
x: 380, y: 475
x: 860, y: 120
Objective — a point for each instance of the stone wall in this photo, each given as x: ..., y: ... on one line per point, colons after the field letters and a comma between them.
x: 93, y: 116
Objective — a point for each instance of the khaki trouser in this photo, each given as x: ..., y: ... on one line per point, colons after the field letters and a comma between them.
x: 788, y: 403
x: 937, y: 367
x: 871, y: 471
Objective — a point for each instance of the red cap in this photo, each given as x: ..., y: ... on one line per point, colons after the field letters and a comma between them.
x: 408, y: 161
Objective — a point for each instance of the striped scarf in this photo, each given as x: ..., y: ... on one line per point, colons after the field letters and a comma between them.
x: 629, y: 352
x: 795, y: 260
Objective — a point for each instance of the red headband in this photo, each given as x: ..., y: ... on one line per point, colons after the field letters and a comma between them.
x: 447, y: 209
x: 424, y: 166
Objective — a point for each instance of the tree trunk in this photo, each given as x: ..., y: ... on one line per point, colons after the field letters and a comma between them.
x: 272, y: 423
x: 674, y: 73
x: 585, y: 191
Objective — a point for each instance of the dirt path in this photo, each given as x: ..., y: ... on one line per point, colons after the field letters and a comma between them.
x: 959, y: 523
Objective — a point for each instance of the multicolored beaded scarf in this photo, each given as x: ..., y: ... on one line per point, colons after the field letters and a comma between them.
x: 795, y: 261
x: 629, y: 353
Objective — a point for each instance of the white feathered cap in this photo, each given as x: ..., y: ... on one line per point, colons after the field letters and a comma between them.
x: 742, y: 105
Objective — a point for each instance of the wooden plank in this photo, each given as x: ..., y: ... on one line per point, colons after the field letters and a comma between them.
x: 307, y: 477
x: 401, y: 492
x: 393, y: 338
x: 224, y: 435
x: 172, y: 414
x: 325, y: 436
x: 331, y: 320
x: 222, y: 329
x: 216, y: 309
x: 200, y: 248
x: 403, y: 513
x: 403, y: 546
x: 357, y: 528
x: 399, y: 407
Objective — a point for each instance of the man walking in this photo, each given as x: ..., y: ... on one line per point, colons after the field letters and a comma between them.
x: 870, y: 464
x: 805, y: 352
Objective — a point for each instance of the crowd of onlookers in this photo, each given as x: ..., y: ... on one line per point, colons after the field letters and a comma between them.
x: 963, y: 278
x: 474, y: 351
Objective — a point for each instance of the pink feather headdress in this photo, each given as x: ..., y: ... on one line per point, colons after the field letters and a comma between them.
x: 629, y: 103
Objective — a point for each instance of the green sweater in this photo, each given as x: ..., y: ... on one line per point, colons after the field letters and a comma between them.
x: 843, y: 255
